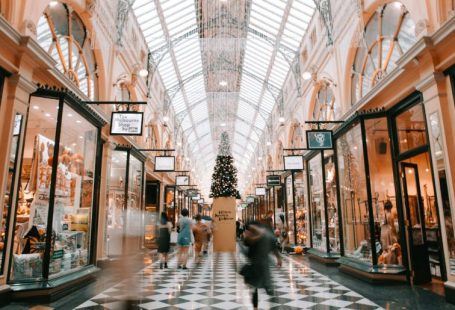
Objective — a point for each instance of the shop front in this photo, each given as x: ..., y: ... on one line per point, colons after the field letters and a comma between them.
x: 125, y: 207
x: 170, y: 206
x: 152, y: 213
x: 390, y: 218
x: 323, y: 202
x: 54, y: 178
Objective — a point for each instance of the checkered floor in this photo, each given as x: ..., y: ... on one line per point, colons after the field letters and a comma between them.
x: 215, y: 284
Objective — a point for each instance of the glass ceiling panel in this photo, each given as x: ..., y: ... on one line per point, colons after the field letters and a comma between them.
x: 283, y: 22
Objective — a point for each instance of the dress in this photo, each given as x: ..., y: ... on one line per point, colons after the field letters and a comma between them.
x: 164, y: 238
x: 184, y: 237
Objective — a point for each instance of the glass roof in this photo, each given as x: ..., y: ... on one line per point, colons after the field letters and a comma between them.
x: 206, y: 49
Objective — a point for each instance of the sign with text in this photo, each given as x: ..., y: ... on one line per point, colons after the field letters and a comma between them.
x: 319, y: 139
x: 182, y: 180
x: 196, y: 197
x: 250, y: 199
x: 293, y: 162
x: 127, y: 123
x: 243, y: 205
x: 273, y: 180
x: 164, y: 163
x: 260, y: 191
x: 201, y: 201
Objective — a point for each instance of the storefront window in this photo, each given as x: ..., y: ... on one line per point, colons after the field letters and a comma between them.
x: 353, y: 195
x: 62, y: 198
x: 302, y: 215
x: 134, y: 203
x: 331, y: 200
x: 411, y: 129
x: 317, y: 203
x: 115, y: 219
x: 9, y: 187
x: 169, y: 201
x: 387, y: 230
x: 289, y: 209
x: 437, y: 139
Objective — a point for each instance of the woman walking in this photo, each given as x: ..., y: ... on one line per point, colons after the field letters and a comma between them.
x: 164, y: 239
x: 184, y: 238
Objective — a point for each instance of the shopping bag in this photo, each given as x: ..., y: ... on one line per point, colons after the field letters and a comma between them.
x: 174, y: 236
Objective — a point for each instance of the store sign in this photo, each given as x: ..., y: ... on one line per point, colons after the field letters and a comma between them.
x: 196, y: 197
x: 250, y: 199
x: 260, y: 191
x: 319, y: 139
x: 293, y: 162
x: 244, y: 205
x: 127, y: 123
x: 182, y: 180
x: 164, y: 163
x: 200, y: 201
x: 191, y: 192
x: 273, y: 180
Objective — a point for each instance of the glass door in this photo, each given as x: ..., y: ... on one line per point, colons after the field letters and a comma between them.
x: 415, y: 223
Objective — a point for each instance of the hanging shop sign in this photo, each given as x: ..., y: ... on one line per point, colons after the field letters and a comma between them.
x: 244, y: 205
x: 319, y: 139
x: 260, y: 191
x: 273, y: 180
x: 164, y: 163
x: 196, y: 197
x: 201, y: 201
x: 250, y: 199
x: 182, y: 180
x: 127, y: 123
x: 293, y: 162
x: 191, y: 192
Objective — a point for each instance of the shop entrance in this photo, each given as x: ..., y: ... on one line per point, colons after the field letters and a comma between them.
x: 415, y: 224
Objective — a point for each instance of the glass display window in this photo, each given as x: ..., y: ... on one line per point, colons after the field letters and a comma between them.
x: 331, y: 201
x: 289, y: 212
x: 411, y: 129
x: 302, y: 214
x: 384, y: 205
x: 316, y: 192
x: 125, y: 203
x: 353, y: 195
x: 52, y: 235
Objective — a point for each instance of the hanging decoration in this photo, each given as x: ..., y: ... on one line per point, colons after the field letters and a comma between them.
x: 224, y: 178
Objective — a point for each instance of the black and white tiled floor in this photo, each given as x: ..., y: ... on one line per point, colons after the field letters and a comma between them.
x: 215, y: 284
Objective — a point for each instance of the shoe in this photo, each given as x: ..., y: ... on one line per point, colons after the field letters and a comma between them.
x: 179, y: 267
x: 161, y: 265
x: 165, y: 265
x: 184, y: 268
x: 205, y: 252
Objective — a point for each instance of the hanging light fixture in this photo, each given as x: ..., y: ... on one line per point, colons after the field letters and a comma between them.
x: 281, y: 119
x: 307, y: 75
x: 53, y: 3
x: 143, y: 72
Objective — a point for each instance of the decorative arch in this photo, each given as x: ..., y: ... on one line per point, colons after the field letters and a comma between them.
x: 296, y: 136
x: 62, y: 33
x: 389, y: 33
x: 324, y: 106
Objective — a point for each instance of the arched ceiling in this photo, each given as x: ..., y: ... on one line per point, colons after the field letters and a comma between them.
x: 223, y: 63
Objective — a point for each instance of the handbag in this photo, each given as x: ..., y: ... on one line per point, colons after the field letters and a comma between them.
x: 174, y: 236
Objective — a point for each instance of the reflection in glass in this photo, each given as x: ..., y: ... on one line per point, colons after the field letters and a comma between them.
x: 411, y: 128
x: 290, y: 210
x: 353, y: 195
x: 9, y: 187
x: 438, y: 151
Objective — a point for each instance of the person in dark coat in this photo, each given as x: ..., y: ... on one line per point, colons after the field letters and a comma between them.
x: 164, y: 239
x: 260, y: 242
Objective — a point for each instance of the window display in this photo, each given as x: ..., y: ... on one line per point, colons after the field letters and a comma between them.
x: 54, y: 212
x: 317, y: 203
x: 290, y: 210
x: 302, y: 215
x: 387, y: 230
x: 353, y: 195
x: 331, y: 202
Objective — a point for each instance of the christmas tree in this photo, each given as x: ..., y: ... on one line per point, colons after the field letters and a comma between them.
x: 224, y: 178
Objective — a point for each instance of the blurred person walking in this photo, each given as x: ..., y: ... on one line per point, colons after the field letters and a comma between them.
x: 260, y: 242
x: 201, y: 232
x: 284, y: 237
x: 184, y: 238
x: 164, y: 239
